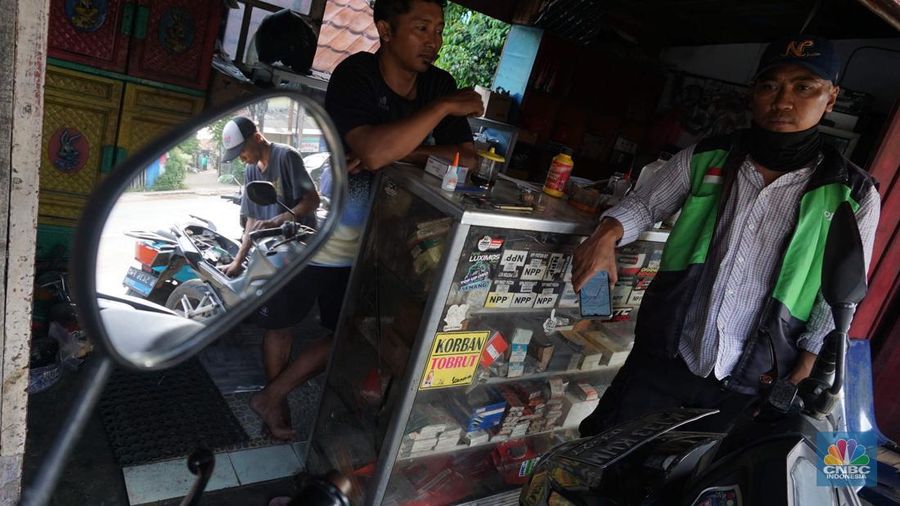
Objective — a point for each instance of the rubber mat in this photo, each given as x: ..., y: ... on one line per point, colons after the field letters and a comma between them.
x: 166, y: 414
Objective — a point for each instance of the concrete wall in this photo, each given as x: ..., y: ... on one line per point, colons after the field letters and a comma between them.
x: 23, y: 47
x: 871, y: 71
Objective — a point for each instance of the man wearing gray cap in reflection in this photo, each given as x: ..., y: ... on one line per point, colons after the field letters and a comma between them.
x: 278, y: 164
x: 282, y: 166
x: 736, y: 307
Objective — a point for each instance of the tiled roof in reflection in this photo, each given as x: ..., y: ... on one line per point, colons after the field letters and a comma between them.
x: 347, y: 28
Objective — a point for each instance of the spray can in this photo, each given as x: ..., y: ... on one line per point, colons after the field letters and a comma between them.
x: 558, y: 175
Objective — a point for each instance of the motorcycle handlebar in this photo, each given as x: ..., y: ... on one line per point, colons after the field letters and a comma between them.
x: 266, y: 232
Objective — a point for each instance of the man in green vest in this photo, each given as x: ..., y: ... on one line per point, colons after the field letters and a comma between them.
x: 736, y: 305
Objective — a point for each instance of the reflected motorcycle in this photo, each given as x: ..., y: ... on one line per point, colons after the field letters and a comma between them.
x: 163, y: 266
x: 180, y: 268
x: 169, y: 277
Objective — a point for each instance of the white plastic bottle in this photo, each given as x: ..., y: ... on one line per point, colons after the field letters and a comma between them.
x: 451, y: 178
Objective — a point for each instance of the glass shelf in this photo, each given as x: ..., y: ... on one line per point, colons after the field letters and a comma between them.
x: 499, y: 380
x: 465, y: 448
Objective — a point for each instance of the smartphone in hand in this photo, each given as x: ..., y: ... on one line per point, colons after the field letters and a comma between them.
x: 594, y: 297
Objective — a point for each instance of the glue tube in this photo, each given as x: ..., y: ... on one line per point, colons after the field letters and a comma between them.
x: 451, y: 178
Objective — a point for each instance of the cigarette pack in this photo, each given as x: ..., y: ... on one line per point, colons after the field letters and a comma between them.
x: 577, y: 410
x: 476, y: 437
x: 437, y: 166
x: 429, y: 229
x: 541, y: 349
x: 622, y: 290
x: 428, y: 259
x: 427, y: 421
x: 585, y: 392
x: 557, y: 387
x: 499, y: 438
x: 615, y: 348
x: 481, y: 409
x: 494, y: 349
x: 413, y: 446
x: 515, y: 369
x: 586, y: 356
x: 519, y: 348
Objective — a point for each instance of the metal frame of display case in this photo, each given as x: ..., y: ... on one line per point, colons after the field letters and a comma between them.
x: 554, y: 216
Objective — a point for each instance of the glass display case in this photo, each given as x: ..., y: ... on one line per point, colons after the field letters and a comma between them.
x: 461, y: 355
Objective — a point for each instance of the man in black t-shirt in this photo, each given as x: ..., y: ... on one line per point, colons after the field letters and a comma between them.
x: 394, y: 104
x: 390, y: 106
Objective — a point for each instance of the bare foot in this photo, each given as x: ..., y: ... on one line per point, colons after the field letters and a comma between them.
x: 272, y: 417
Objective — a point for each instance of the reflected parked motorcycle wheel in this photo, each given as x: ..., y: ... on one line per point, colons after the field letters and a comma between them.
x: 159, y: 295
x: 194, y: 300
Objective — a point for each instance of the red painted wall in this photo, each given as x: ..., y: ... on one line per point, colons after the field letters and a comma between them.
x: 876, y: 318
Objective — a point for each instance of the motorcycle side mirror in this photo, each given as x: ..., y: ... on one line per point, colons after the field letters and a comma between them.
x: 155, y: 303
x: 262, y: 193
x: 843, y: 267
x: 145, y: 276
x: 843, y: 263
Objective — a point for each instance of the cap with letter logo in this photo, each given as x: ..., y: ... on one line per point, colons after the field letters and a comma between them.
x: 814, y: 53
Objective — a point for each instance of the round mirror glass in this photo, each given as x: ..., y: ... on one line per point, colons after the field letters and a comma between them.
x: 209, y: 225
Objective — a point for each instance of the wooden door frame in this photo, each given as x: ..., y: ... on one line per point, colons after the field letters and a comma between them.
x: 23, y: 57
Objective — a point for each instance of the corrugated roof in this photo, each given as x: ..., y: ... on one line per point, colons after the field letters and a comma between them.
x: 347, y: 28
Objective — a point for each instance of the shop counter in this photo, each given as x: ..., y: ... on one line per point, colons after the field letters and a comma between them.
x: 461, y: 356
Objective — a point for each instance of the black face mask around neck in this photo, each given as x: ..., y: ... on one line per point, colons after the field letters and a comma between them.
x: 783, y: 151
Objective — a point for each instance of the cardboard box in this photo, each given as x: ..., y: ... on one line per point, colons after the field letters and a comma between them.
x: 496, y: 105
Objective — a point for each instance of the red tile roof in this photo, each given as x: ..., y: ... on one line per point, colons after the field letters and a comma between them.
x: 347, y: 28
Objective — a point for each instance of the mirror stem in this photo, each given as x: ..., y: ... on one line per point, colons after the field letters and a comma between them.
x: 843, y: 316
x: 840, y: 363
x: 41, y: 489
x: 201, y: 463
x: 288, y: 209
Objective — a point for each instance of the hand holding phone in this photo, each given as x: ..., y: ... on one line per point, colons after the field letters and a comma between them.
x: 594, y: 297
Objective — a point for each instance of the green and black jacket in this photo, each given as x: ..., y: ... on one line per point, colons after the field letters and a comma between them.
x: 662, y: 321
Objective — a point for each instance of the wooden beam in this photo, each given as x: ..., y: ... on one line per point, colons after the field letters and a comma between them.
x: 317, y: 13
x: 25, y: 22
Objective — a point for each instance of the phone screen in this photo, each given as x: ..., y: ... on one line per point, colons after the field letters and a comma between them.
x: 594, y: 296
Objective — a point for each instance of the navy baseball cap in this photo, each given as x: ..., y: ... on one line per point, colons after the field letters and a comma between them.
x: 235, y: 135
x: 814, y: 53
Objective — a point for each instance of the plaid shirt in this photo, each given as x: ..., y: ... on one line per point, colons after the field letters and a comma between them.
x: 745, y: 259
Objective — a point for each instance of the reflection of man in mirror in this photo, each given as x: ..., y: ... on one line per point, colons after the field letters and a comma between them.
x: 276, y: 163
x: 282, y: 166
x: 390, y: 106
